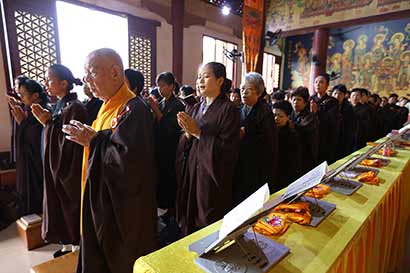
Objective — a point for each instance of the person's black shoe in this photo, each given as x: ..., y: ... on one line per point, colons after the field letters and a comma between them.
x: 60, y: 253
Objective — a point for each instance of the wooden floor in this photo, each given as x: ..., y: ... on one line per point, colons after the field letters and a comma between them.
x: 15, y: 258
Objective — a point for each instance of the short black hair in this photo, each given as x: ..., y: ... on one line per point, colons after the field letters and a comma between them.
x: 340, y: 87
x: 236, y: 91
x: 283, y: 105
x: 136, y: 80
x: 186, y: 90
x: 354, y: 90
x: 364, y: 91
x: 278, y: 95
x: 324, y: 75
x: 302, y: 92
x: 393, y: 95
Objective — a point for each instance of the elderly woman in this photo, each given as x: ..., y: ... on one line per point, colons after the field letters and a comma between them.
x: 257, y: 157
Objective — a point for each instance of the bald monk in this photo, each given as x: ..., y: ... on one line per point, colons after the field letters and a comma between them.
x: 119, y: 209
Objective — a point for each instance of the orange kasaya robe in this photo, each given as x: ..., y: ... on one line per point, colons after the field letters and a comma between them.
x: 108, y: 111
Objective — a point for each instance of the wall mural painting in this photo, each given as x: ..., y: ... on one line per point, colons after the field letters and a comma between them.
x: 297, y: 61
x: 374, y: 56
x: 296, y: 14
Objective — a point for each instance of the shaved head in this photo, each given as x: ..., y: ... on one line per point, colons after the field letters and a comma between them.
x: 108, y: 56
x: 104, y: 73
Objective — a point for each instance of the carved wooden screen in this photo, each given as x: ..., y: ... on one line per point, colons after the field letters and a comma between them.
x: 33, y: 39
x: 142, y: 47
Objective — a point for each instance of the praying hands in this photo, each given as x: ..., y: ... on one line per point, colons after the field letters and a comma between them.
x: 79, y: 133
x: 189, y: 124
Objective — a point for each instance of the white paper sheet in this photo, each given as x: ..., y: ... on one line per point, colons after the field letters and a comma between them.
x: 244, y: 211
x: 307, y: 181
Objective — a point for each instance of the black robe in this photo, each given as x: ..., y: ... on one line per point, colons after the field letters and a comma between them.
x: 119, y: 208
x: 62, y: 174
x: 307, y: 127
x: 167, y: 133
x: 205, y: 167
x: 329, y: 120
x: 29, y: 175
x: 93, y: 106
x: 258, y: 152
x: 363, y: 126
x: 289, y: 157
x: 389, y: 118
x: 345, y: 142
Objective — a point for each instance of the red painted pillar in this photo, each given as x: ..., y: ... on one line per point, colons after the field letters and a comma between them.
x: 319, y: 55
x: 177, y: 15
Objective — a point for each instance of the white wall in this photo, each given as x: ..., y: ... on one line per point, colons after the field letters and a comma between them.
x: 5, y: 125
x: 192, y: 55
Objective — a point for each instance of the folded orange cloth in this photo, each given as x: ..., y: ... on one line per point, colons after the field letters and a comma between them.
x: 318, y: 191
x: 387, y: 152
x: 272, y: 224
x: 298, y: 212
x: 372, y: 163
x: 369, y: 178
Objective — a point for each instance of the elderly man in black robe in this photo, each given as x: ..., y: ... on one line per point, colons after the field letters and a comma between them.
x: 257, y: 157
x: 119, y: 208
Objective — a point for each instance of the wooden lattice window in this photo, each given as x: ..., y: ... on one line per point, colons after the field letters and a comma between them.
x: 141, y: 57
x: 36, y: 43
x: 142, y: 37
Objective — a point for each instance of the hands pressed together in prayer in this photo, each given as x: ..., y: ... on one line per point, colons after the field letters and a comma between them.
x: 153, y: 103
x: 41, y: 114
x: 188, y: 124
x: 242, y: 132
x: 313, y: 107
x: 18, y: 113
x: 79, y: 133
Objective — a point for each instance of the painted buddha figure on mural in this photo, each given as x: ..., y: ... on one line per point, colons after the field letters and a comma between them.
x: 347, y: 65
x: 385, y: 73
x: 404, y: 73
x: 378, y: 50
x: 366, y: 78
x: 396, y: 47
x: 360, y: 51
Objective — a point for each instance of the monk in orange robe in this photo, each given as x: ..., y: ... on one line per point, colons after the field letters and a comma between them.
x: 119, y: 207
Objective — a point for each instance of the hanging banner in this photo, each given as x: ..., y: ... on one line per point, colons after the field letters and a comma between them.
x: 253, y: 24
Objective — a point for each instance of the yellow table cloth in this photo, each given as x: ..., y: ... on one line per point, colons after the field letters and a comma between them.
x: 366, y: 232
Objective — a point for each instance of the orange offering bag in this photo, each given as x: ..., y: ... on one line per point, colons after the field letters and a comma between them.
x: 387, y: 152
x: 298, y: 212
x: 272, y: 224
x: 318, y: 191
x: 369, y: 178
x: 372, y: 163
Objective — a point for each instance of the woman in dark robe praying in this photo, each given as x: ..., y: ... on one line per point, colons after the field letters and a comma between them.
x: 345, y: 140
x: 258, y: 152
x: 207, y: 152
x: 307, y: 127
x: 29, y: 178
x: 167, y: 133
x: 13, y: 99
x: 326, y: 109
x: 288, y: 146
x: 62, y: 161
